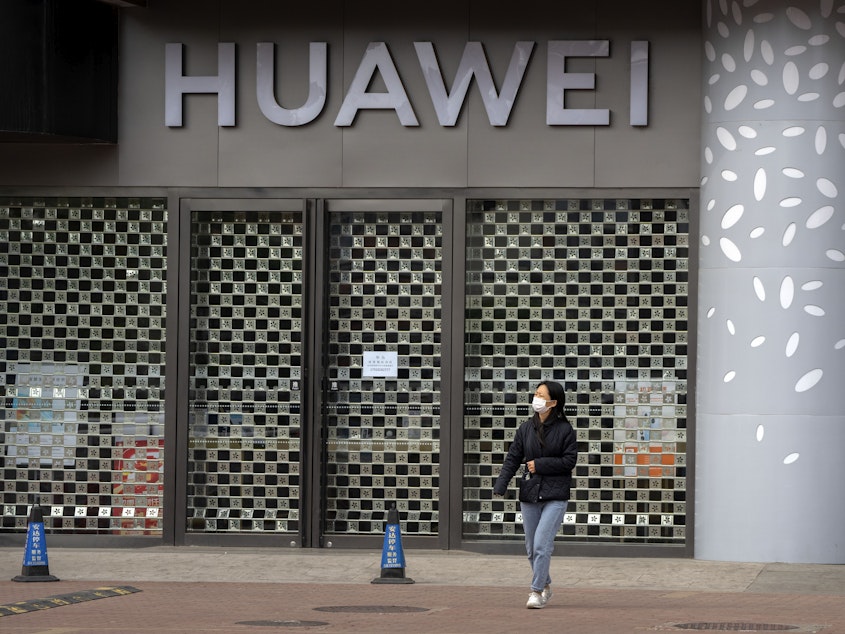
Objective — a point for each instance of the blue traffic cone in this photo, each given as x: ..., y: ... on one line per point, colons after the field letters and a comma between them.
x: 35, y: 565
x: 392, y: 557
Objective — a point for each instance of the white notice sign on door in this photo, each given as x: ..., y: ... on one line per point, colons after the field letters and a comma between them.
x: 380, y: 363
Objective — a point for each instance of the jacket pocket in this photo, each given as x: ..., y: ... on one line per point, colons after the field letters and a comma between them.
x: 529, y: 487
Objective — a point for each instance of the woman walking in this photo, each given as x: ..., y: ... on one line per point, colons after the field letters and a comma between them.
x: 546, y: 447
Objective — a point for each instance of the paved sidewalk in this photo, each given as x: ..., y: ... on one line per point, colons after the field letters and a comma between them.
x: 193, y: 589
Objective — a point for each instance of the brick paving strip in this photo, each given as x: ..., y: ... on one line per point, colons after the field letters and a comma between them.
x: 214, y: 607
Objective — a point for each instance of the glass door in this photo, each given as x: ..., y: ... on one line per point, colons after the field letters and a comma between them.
x: 382, y: 393
x: 245, y: 374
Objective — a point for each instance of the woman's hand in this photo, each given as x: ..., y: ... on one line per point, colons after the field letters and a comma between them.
x: 530, y: 465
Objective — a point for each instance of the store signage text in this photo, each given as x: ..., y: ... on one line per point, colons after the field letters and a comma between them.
x: 377, y: 59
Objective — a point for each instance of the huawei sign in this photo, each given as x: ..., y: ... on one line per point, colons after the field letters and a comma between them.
x: 377, y: 61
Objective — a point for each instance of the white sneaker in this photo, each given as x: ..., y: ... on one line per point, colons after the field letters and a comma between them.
x: 546, y: 594
x: 535, y: 600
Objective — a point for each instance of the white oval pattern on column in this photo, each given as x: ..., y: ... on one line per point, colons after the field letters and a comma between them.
x: 732, y: 216
x: 799, y: 18
x: 827, y: 188
x: 726, y: 139
x: 809, y: 380
x: 790, y: 78
x: 730, y: 250
x: 736, y: 97
x: 821, y: 140
x: 760, y: 184
x: 787, y: 292
x: 759, y: 289
x: 819, y: 217
x: 788, y: 234
x: 792, y: 344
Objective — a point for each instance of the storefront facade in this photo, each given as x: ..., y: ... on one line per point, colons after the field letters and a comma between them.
x: 334, y: 249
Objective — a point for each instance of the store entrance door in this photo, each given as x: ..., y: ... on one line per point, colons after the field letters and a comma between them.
x: 244, y: 301
x: 312, y: 371
x: 383, y: 386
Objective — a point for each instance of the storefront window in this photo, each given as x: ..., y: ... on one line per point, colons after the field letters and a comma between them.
x: 82, y: 320
x: 592, y: 294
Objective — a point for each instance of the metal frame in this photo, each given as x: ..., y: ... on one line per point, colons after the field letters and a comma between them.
x: 609, y: 549
x: 179, y: 422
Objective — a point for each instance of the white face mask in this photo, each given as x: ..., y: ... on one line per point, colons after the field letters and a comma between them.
x: 539, y: 405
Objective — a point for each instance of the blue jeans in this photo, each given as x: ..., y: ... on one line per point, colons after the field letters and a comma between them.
x: 541, y: 522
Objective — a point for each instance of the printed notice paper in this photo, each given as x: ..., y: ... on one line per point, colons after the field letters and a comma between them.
x: 381, y: 363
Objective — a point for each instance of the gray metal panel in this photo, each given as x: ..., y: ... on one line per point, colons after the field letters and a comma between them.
x: 245, y: 204
x: 150, y: 152
x: 781, y: 481
x: 377, y: 150
x: 384, y: 204
x: 527, y: 152
x: 60, y: 165
x: 666, y: 152
x: 259, y: 152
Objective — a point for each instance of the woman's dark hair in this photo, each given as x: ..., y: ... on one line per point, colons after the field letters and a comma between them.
x: 556, y: 393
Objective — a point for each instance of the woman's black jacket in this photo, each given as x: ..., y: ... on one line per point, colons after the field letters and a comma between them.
x: 554, y: 450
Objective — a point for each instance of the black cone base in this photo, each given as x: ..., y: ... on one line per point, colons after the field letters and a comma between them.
x: 35, y: 578
x: 392, y: 575
x: 35, y: 573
